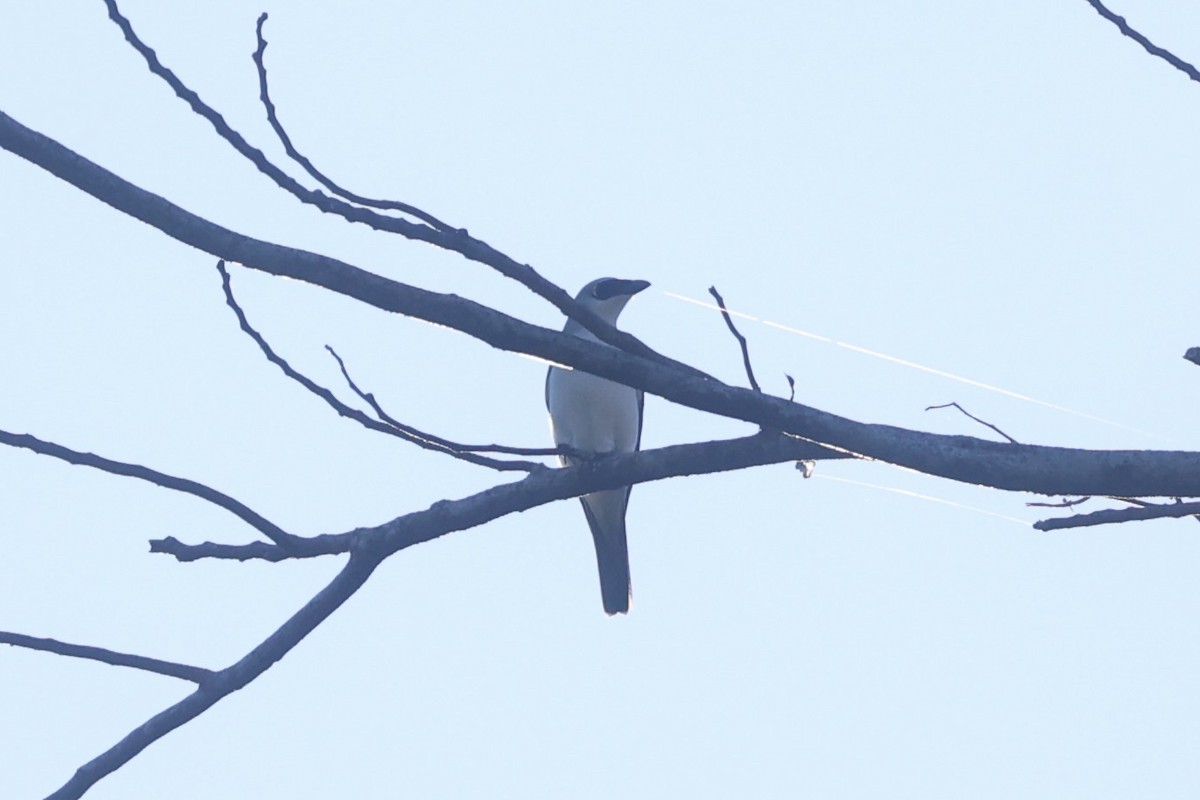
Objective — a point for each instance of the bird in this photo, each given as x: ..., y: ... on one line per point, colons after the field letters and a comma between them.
x: 597, y: 416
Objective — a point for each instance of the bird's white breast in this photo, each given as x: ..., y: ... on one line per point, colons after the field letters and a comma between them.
x: 592, y: 414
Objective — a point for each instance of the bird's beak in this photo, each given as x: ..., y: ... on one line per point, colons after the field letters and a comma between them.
x: 629, y: 288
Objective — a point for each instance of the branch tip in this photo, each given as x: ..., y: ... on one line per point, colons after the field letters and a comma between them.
x: 741, y: 340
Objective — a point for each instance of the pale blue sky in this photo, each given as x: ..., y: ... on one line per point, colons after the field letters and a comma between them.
x: 1001, y: 191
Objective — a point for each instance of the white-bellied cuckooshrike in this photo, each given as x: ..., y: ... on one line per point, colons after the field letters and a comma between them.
x: 595, y: 415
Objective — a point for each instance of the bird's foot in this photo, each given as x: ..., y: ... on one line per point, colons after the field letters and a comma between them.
x: 584, y: 456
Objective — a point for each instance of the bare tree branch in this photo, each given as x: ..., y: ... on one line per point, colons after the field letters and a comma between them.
x: 539, y: 488
x: 1111, y: 515
x: 393, y: 428
x: 805, y: 430
x: 1032, y: 468
x: 260, y: 551
x: 324, y: 544
x: 1064, y: 504
x: 972, y: 416
x: 309, y: 167
x: 252, y: 518
x: 169, y: 668
x: 220, y: 684
x: 1149, y: 46
x: 456, y: 240
x: 255, y: 156
x: 1142, y: 503
x: 740, y: 339
x: 369, y: 399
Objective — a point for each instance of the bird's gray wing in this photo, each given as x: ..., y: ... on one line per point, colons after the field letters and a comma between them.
x: 637, y: 446
x: 641, y: 407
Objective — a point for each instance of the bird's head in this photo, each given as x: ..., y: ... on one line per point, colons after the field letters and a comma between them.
x: 605, y: 297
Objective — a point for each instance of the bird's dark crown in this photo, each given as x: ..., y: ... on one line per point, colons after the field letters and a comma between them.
x: 608, y: 288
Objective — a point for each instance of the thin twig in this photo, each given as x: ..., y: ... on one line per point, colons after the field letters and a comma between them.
x: 1149, y: 46
x: 238, y: 509
x: 309, y: 167
x: 239, y: 143
x: 1134, y: 501
x: 226, y: 681
x: 977, y: 419
x: 169, y: 668
x: 369, y: 399
x: 1064, y: 504
x: 1113, y: 515
x: 405, y: 432
x: 737, y: 335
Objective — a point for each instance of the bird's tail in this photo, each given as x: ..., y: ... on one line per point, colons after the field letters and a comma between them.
x: 612, y: 559
x: 606, y: 517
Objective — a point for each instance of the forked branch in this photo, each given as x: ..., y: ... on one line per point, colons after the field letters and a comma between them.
x: 386, y: 424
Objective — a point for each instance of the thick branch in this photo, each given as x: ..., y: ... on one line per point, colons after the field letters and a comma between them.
x: 1044, y: 470
x: 1112, y: 515
x: 544, y: 486
x: 169, y: 668
x: 228, y: 680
